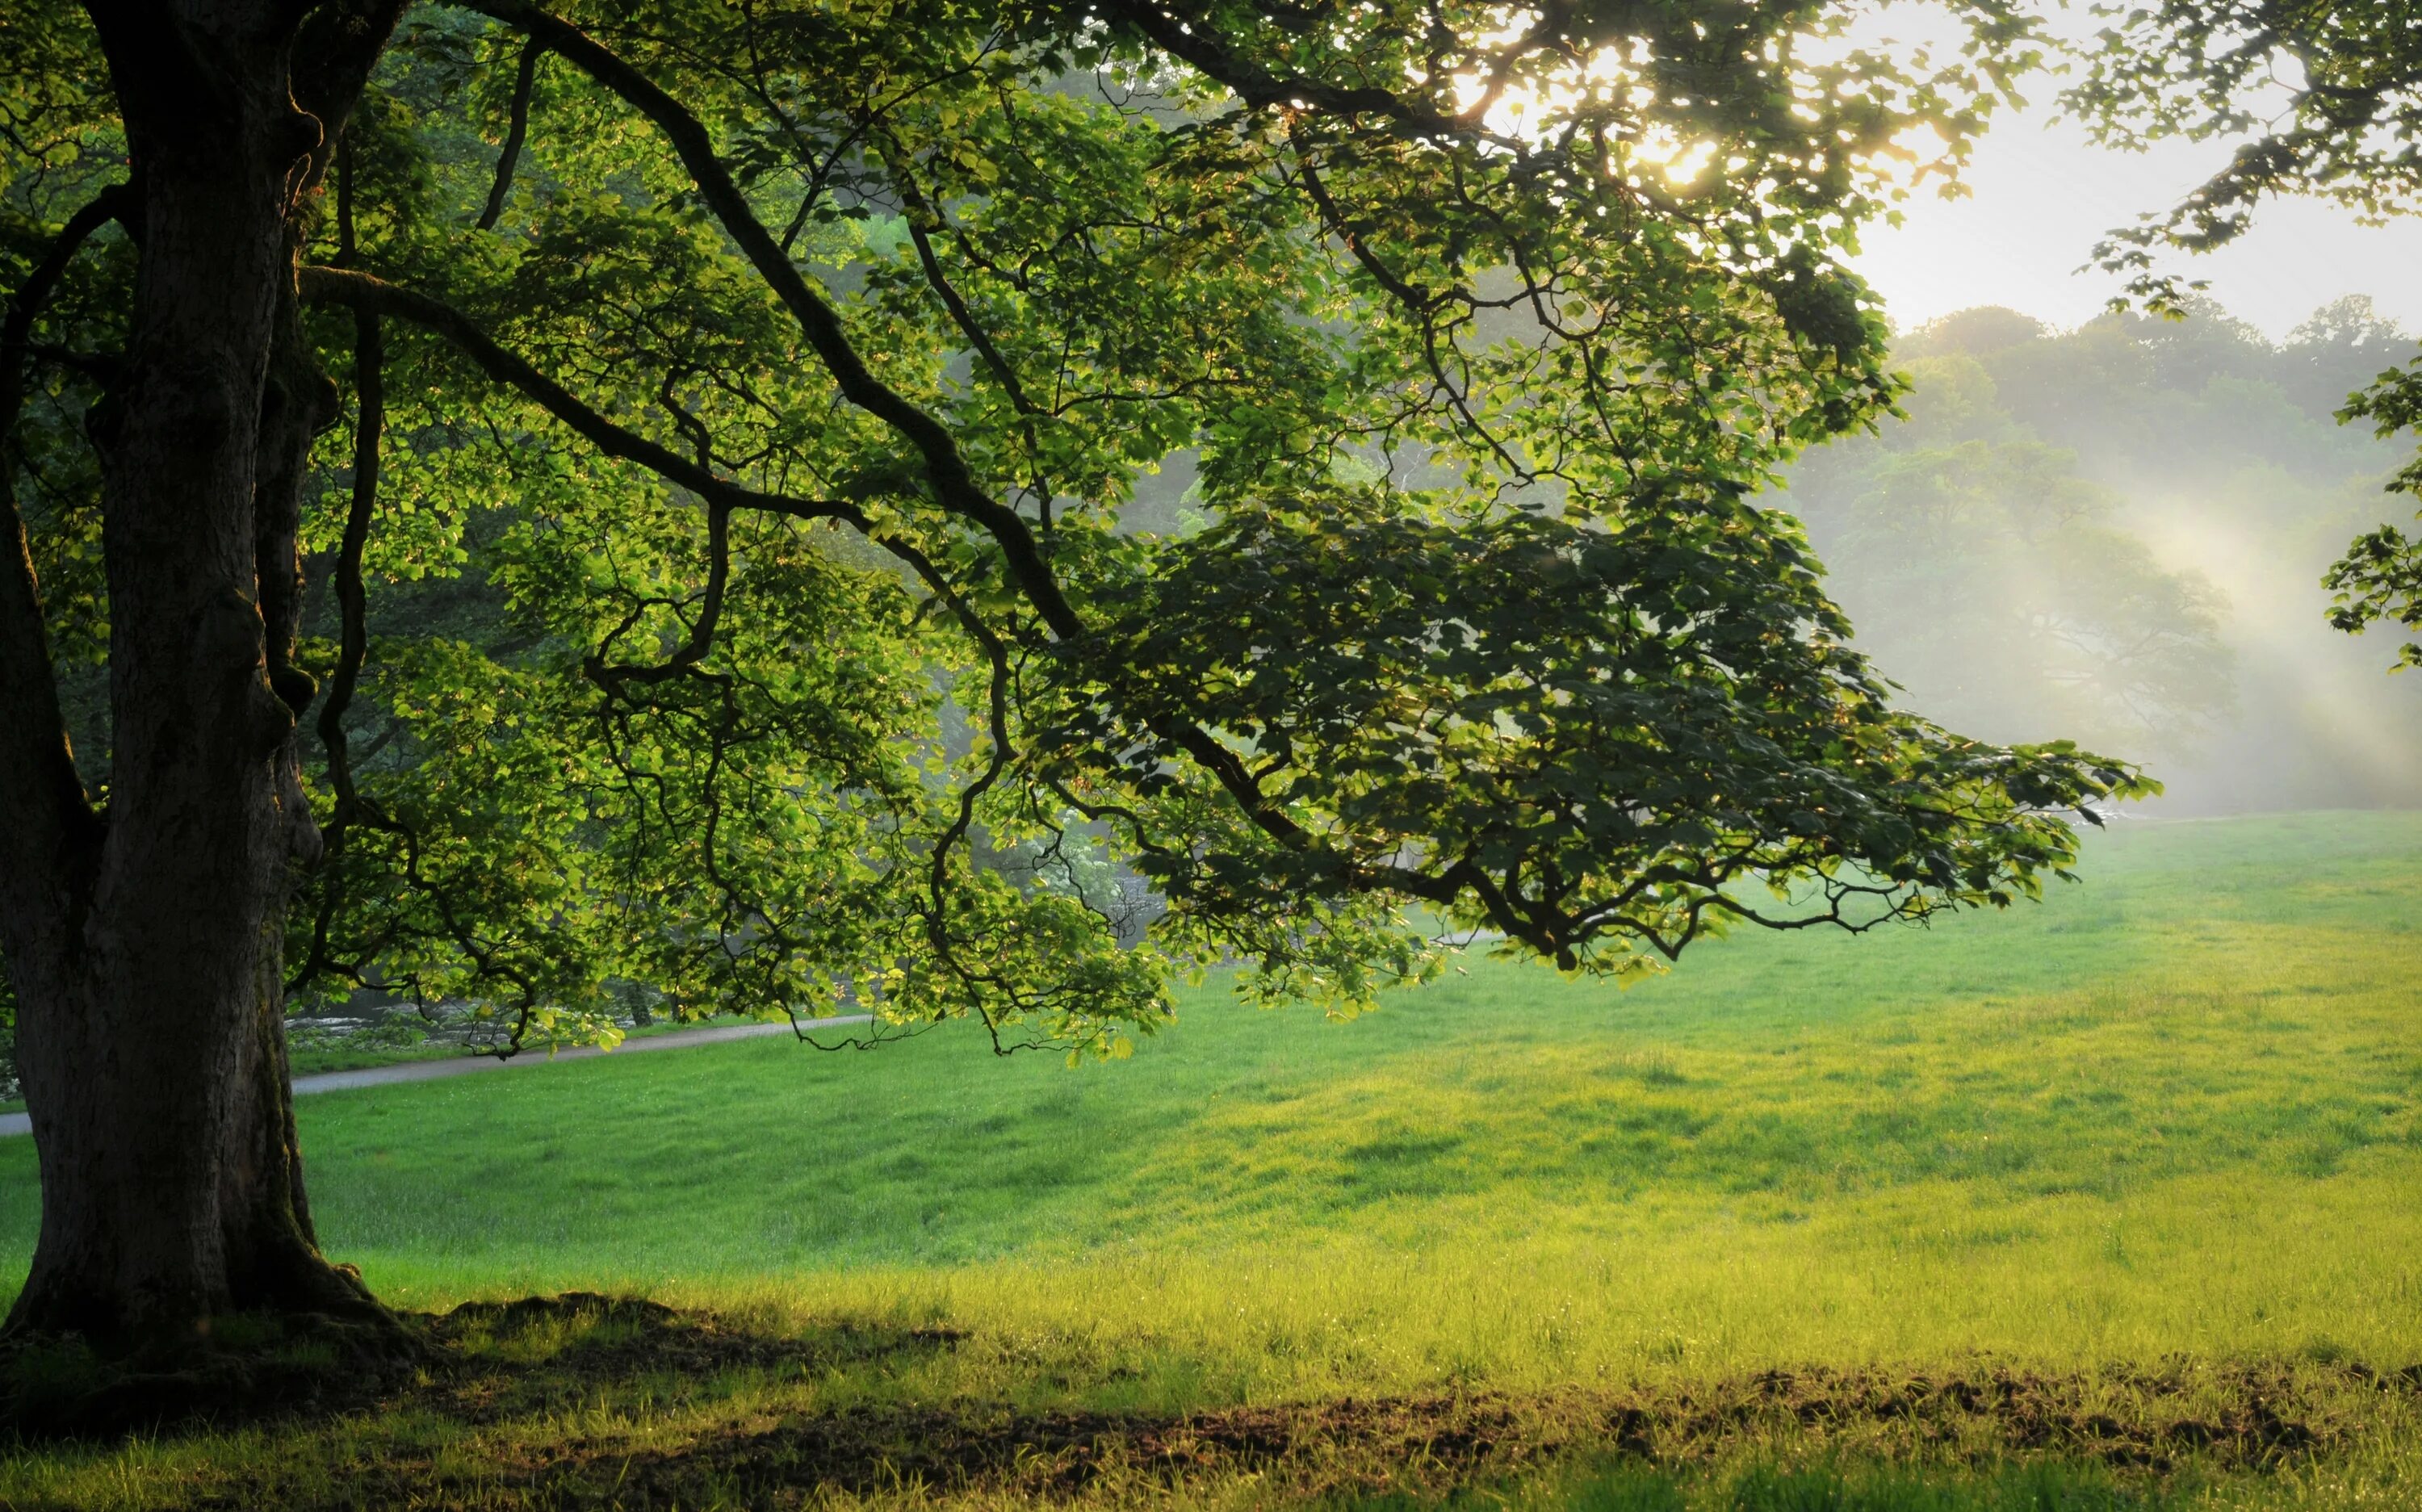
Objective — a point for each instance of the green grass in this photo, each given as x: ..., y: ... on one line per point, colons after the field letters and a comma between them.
x: 2176, y: 1112
x: 326, y: 1053
x: 320, y: 1054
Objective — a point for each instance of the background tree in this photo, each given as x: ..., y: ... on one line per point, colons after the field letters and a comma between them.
x: 2001, y: 587
x: 766, y: 405
x: 2114, y: 532
x: 2322, y: 98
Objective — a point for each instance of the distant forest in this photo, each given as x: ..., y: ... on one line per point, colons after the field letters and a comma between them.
x: 2117, y: 535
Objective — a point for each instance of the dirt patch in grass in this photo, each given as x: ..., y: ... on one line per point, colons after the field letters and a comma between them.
x: 2239, y: 1417
x: 1432, y: 1442
x: 595, y: 1344
x: 533, y: 1359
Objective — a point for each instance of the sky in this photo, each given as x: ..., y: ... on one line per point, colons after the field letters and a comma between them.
x: 2043, y: 196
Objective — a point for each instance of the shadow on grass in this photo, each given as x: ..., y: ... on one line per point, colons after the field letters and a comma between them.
x: 482, y: 1363
x: 547, y: 1402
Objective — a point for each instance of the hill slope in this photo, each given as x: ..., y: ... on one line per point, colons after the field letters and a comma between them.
x: 2172, y: 1108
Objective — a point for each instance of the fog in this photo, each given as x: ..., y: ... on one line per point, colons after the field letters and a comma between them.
x: 2111, y: 528
x: 2114, y: 533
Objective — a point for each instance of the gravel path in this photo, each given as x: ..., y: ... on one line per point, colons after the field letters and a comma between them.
x: 461, y: 1065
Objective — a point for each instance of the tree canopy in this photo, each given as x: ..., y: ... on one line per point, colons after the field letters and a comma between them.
x: 721, y: 548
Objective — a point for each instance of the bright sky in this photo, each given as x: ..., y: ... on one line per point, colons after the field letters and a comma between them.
x: 2043, y: 196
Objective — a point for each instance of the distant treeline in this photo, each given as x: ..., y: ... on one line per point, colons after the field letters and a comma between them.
x: 2117, y: 534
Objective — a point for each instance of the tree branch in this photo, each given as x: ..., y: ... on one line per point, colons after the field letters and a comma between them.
x: 1200, y: 47
x: 361, y: 291
x: 955, y: 485
x: 921, y: 213
x: 515, y: 135
x: 369, y: 404
x: 370, y: 388
x: 693, y: 650
x: 43, y: 808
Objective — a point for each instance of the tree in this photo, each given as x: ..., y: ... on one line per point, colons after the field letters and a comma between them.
x: 2193, y: 482
x: 766, y: 404
x: 2323, y: 100
x: 1997, y: 585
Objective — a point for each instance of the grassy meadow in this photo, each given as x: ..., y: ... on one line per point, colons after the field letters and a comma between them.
x: 2139, y: 1170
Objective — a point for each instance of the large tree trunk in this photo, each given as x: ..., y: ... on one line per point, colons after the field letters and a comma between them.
x: 150, y: 1023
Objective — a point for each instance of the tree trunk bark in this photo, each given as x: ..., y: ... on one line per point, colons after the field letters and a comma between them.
x: 151, y: 1028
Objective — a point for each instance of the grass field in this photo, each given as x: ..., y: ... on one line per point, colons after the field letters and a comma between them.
x: 2151, y: 1151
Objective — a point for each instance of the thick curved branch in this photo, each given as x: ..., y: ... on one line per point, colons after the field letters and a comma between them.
x: 361, y: 291
x: 43, y: 807
x: 953, y: 482
x: 700, y: 639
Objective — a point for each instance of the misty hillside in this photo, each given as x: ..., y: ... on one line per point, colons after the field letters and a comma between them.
x: 2117, y: 534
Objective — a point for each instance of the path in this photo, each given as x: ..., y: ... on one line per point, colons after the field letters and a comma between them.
x: 380, y: 1075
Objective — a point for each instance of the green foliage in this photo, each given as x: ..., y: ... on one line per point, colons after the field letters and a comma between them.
x: 1593, y: 702
x: 2380, y: 579
x: 2323, y: 100
x: 2320, y: 99
x: 746, y: 568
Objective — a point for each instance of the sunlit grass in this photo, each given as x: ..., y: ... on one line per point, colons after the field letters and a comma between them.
x: 2170, y: 1114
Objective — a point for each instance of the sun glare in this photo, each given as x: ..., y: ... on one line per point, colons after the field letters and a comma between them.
x: 1646, y: 146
